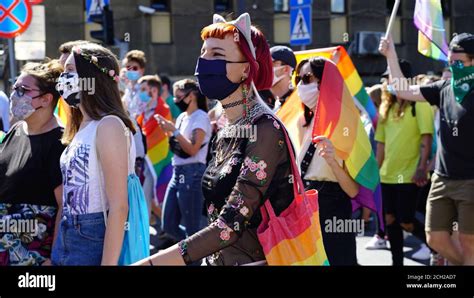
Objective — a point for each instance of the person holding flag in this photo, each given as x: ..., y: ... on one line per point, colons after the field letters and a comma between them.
x: 450, y: 202
x: 322, y: 169
x: 404, y: 130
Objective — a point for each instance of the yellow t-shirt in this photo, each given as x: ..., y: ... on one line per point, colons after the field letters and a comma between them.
x: 402, y: 139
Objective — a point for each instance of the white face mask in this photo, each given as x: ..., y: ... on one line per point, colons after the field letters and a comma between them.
x: 308, y: 94
x: 277, y: 79
x: 21, y: 106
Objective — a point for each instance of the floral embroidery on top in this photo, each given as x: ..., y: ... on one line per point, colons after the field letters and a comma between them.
x: 227, y: 169
x: 232, y: 214
x: 255, y: 165
x: 225, y: 230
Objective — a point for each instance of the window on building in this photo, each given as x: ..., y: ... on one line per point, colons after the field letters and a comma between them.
x: 397, y: 26
x: 160, y: 5
x: 338, y: 6
x: 161, y: 27
x: 338, y: 29
x: 161, y: 22
x: 281, y: 6
x: 222, y: 5
x: 281, y: 28
x: 281, y: 22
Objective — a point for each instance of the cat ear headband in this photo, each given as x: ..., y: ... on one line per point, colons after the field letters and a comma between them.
x: 243, y: 24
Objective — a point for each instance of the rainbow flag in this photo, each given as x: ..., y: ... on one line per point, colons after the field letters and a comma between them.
x: 342, y: 103
x: 337, y: 117
x: 158, y: 148
x: 350, y: 75
x: 428, y: 20
x: 62, y: 111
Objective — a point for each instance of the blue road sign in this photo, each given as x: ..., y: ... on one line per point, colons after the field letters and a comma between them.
x: 95, y: 7
x: 300, y: 22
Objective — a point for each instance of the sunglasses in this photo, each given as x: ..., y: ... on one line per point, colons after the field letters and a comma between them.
x: 134, y: 68
x: 178, y: 99
x: 306, y: 78
x: 21, y: 90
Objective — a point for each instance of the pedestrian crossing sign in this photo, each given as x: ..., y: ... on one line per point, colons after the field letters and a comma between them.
x: 300, y: 22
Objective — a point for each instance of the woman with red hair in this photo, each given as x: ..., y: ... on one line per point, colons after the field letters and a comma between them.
x: 250, y: 162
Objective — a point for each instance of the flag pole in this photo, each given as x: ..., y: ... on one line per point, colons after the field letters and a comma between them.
x: 392, y: 18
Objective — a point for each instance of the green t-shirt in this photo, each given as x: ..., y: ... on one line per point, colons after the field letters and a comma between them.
x: 175, y: 111
x: 402, y: 139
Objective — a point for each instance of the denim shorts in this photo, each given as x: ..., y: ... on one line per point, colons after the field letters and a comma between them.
x: 80, y: 240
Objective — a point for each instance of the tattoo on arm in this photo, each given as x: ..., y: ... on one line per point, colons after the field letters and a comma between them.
x: 194, y: 137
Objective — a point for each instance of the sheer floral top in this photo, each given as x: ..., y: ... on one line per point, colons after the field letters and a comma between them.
x: 250, y: 163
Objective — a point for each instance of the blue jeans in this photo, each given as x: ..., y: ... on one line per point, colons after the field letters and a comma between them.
x: 80, y: 240
x: 184, y: 201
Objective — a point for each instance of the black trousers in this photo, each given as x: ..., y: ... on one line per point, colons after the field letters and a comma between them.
x: 400, y: 200
x: 334, y: 203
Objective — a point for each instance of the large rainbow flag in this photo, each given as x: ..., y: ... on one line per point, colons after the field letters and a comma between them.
x: 428, y: 20
x: 342, y: 103
x: 158, y: 148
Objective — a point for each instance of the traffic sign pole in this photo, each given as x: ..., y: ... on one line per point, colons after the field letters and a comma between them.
x: 11, y: 56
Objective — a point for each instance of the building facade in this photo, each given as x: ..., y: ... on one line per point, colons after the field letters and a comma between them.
x: 170, y: 36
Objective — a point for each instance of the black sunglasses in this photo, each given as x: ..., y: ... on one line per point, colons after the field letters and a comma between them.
x: 21, y: 90
x: 306, y: 78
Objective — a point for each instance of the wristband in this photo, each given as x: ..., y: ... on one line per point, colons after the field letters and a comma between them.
x: 176, y: 133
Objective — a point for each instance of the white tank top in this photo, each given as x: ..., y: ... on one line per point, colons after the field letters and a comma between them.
x: 83, y: 179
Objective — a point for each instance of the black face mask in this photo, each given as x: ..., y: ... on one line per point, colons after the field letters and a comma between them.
x: 182, y: 105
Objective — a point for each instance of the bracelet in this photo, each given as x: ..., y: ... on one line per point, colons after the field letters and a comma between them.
x: 183, y: 251
x: 176, y: 133
x: 151, y: 263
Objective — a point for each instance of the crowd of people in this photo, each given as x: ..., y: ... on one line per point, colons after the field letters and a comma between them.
x: 204, y: 184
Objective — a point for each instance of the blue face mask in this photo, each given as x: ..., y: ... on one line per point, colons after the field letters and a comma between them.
x: 212, y: 78
x: 133, y: 75
x: 144, y: 96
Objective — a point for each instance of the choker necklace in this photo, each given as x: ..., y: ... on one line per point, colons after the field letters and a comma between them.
x: 233, y: 104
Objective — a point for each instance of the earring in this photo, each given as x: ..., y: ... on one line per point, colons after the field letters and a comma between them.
x: 244, y: 96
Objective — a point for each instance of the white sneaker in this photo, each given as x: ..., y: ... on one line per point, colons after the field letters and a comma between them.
x: 376, y: 243
x: 424, y: 253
